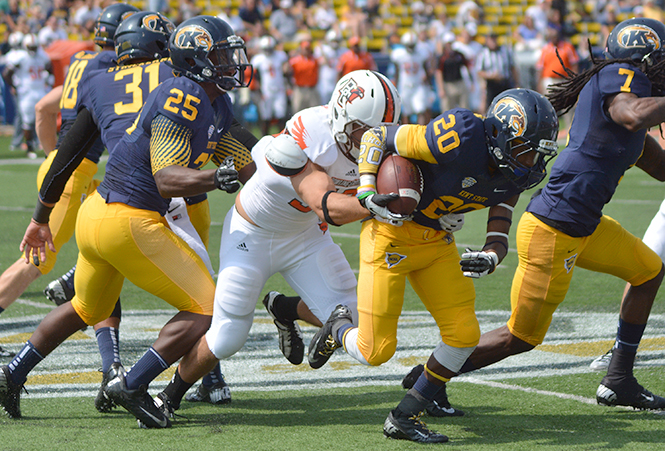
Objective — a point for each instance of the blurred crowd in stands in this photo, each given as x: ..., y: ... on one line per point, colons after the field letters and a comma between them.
x: 440, y: 54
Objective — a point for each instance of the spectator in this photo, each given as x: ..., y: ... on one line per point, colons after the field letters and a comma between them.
x: 188, y: 9
x: 304, y: 69
x: 286, y: 21
x: 251, y: 17
x: 354, y: 59
x: 353, y: 19
x: 496, y: 66
x: 448, y: 75
x: 528, y: 44
x: 652, y: 11
x: 52, y: 31
x: 468, y: 12
x: 269, y: 65
x: 324, y: 17
x: 234, y: 20
x: 470, y: 48
x: 411, y: 62
x: 539, y: 13
x: 328, y: 53
x: 86, y: 15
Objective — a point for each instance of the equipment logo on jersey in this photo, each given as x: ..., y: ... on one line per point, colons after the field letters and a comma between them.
x: 468, y: 181
x: 156, y: 23
x: 511, y: 112
x: 638, y: 36
x: 393, y: 258
x: 192, y: 37
x: 349, y: 92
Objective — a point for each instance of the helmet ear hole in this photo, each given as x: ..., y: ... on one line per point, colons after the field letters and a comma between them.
x: 190, y: 61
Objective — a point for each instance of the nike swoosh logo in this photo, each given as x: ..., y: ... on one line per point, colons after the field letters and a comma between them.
x: 172, y: 209
x: 496, y: 190
x: 163, y: 422
x: 220, y: 130
x: 648, y: 398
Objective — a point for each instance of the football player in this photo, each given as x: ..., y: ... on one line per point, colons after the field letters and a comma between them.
x: 121, y: 229
x: 618, y: 100
x: 468, y: 163
x: 305, y: 181
x: 271, y: 65
x: 16, y: 278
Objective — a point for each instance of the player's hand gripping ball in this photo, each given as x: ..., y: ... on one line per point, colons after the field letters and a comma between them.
x: 399, y: 175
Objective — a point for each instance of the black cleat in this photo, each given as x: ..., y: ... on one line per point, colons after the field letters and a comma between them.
x: 628, y: 393
x: 218, y: 393
x: 138, y: 402
x: 290, y: 336
x: 400, y: 426
x: 59, y: 291
x: 6, y: 353
x: 102, y: 402
x: 10, y: 394
x: 323, y: 343
x: 440, y: 406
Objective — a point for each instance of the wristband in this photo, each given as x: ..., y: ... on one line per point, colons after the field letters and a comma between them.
x: 324, y: 207
x: 42, y: 213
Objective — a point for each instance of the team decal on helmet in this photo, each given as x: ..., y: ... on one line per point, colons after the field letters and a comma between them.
x: 638, y: 36
x: 193, y: 36
x: 156, y: 23
x: 349, y: 92
x: 511, y: 112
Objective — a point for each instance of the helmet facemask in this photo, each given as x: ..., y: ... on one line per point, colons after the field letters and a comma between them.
x: 226, y: 65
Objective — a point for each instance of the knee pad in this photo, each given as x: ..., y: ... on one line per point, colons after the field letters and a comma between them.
x: 238, y: 289
x: 228, y: 333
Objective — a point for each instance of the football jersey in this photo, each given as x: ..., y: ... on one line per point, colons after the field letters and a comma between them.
x: 461, y: 180
x: 81, y: 64
x: 270, y: 69
x: 586, y: 173
x: 270, y: 200
x: 410, y: 66
x: 129, y: 177
x: 30, y: 74
x: 114, y: 96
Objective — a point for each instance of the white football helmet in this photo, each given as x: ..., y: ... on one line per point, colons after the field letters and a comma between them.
x: 15, y: 40
x: 362, y: 99
x: 409, y: 40
x: 267, y: 43
x: 30, y: 42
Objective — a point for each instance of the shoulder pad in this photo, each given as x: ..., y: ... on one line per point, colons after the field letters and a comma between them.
x: 285, y: 155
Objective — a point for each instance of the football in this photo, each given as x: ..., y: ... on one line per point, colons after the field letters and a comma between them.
x: 399, y: 175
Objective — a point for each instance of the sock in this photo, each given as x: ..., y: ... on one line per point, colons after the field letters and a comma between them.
x: 145, y: 370
x: 341, y: 331
x: 1, y: 310
x: 467, y: 367
x: 107, y: 342
x: 215, y: 376
x: 24, y: 362
x: 69, y: 277
x: 629, y: 336
x: 286, y: 308
x: 177, y: 389
x: 426, y: 388
x: 413, y: 403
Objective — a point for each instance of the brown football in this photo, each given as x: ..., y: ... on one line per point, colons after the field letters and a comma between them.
x: 399, y: 175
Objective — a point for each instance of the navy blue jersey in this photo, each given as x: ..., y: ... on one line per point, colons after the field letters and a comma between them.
x: 461, y: 180
x: 586, y: 173
x: 81, y: 63
x: 129, y: 178
x: 116, y: 95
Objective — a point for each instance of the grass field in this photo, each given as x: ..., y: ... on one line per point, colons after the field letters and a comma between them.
x: 543, y: 400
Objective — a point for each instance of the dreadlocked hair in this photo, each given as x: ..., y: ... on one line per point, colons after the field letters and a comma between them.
x: 563, y: 95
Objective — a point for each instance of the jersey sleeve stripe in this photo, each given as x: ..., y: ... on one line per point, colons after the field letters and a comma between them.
x: 228, y: 145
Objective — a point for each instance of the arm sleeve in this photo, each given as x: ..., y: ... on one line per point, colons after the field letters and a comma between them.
x: 228, y: 145
x: 170, y: 143
x: 79, y: 139
x: 243, y: 135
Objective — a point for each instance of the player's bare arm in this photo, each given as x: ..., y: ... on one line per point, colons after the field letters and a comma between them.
x: 652, y: 160
x: 46, y: 117
x: 316, y: 188
x: 636, y: 113
x: 498, y: 226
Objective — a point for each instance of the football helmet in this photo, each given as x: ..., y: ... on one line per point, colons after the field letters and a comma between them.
x: 30, y: 42
x: 409, y: 40
x: 205, y: 49
x: 267, y: 44
x: 639, y: 39
x: 15, y: 40
x: 109, y: 19
x: 520, y: 121
x: 362, y: 99
x: 143, y: 36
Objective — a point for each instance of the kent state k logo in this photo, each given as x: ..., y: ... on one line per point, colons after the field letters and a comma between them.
x: 193, y: 36
x: 349, y: 92
x: 511, y: 112
x: 638, y: 36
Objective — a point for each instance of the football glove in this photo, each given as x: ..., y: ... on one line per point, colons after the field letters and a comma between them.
x: 377, y: 205
x: 476, y: 264
x: 226, y: 177
x: 452, y: 222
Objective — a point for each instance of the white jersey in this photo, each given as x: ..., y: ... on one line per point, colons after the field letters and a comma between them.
x: 270, y: 200
x: 328, y: 75
x: 30, y: 76
x: 410, y: 67
x: 271, y: 72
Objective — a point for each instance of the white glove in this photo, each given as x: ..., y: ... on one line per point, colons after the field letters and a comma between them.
x: 452, y: 222
x: 476, y: 264
x: 377, y: 205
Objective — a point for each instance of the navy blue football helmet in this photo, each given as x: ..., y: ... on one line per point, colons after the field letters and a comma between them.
x: 143, y: 36
x: 108, y: 21
x: 205, y: 49
x: 517, y: 122
x: 639, y: 39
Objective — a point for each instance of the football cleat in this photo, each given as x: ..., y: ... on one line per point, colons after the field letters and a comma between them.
x: 6, y: 353
x: 60, y: 291
x: 628, y: 393
x: 102, y: 402
x: 603, y: 362
x: 290, y: 336
x: 218, y: 393
x: 323, y: 343
x: 440, y: 406
x: 10, y: 394
x: 138, y: 402
x: 401, y: 426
